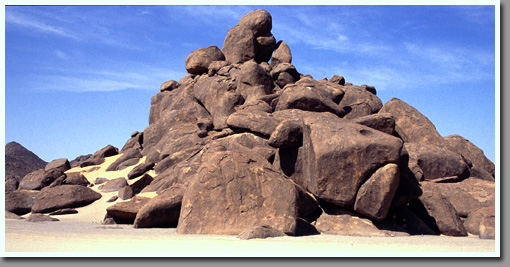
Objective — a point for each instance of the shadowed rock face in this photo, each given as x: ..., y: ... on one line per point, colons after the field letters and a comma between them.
x: 246, y: 145
x: 20, y: 161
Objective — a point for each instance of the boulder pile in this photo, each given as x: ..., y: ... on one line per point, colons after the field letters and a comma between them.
x: 246, y: 145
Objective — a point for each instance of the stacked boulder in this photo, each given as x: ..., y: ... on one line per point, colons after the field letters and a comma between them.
x: 246, y: 145
x: 246, y: 142
x: 50, y: 190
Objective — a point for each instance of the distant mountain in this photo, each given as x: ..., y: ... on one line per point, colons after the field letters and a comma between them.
x: 20, y: 161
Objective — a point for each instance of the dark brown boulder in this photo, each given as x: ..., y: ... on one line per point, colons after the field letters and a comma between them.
x: 135, y: 142
x: 233, y: 192
x: 258, y: 21
x: 383, y: 122
x: 141, y: 183
x: 376, y: 194
x: 475, y: 155
x: 239, y: 45
x: 254, y: 81
x: 168, y: 86
x: 217, y: 94
x: 20, y: 202
x: 199, y: 60
x: 337, y: 155
x: 436, y: 162
x: 416, y: 127
x: 125, y: 193
x: 33, y: 180
x: 359, y: 101
x: 265, y: 44
x: 162, y: 210
x: 64, y: 196
x: 127, y: 155
x: 253, y: 121
x: 308, y: 98
x: 287, y: 134
x: 105, y: 152
x: 338, y: 79
x: 469, y: 195
x: 125, y: 212
x: 113, y: 185
x: 140, y: 170
x: 436, y: 210
x: 61, y: 164
x: 50, y: 176
x: 475, y: 217
x: 92, y: 162
x: 260, y: 232
x: 76, y: 178
x: 281, y: 54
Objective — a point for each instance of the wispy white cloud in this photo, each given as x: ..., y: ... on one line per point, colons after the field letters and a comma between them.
x: 147, y: 78
x: 61, y: 54
x: 34, y: 24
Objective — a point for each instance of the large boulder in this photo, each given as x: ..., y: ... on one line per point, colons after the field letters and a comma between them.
x: 359, y: 102
x: 436, y: 162
x: 253, y: 80
x: 376, y: 194
x: 337, y: 155
x: 218, y: 95
x: 233, y: 192
x: 125, y: 212
x: 437, y: 211
x: 76, y: 178
x: 239, y: 45
x: 475, y: 155
x: 162, y: 210
x: 199, y: 60
x: 281, y: 54
x: 254, y: 121
x: 310, y: 96
x: 415, y: 126
x: 105, y: 152
x: 64, y: 196
x: 258, y: 21
x: 469, y: 195
x: 33, y: 180
x: 61, y: 164
x: 20, y: 202
x: 383, y: 122
x: 113, y: 185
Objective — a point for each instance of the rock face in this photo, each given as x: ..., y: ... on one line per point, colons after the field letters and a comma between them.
x: 238, y: 192
x: 246, y: 145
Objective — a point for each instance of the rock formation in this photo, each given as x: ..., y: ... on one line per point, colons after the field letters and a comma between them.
x: 246, y: 145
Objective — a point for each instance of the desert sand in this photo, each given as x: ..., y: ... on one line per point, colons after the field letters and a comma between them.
x: 82, y: 234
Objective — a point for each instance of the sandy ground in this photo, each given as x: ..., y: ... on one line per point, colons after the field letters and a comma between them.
x: 94, y: 239
x: 82, y: 234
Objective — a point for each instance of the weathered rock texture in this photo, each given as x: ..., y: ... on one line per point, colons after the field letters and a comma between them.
x: 246, y: 145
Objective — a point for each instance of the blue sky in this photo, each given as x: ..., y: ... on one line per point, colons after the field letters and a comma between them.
x: 78, y: 78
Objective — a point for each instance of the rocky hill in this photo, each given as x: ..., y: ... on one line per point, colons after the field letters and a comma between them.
x: 19, y: 161
x: 247, y: 145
